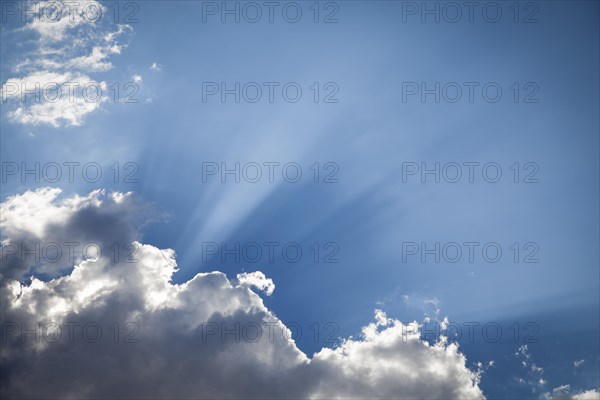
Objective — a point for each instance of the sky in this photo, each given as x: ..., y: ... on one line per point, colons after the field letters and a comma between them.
x: 410, y: 190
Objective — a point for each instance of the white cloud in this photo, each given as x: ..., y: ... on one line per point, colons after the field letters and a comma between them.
x: 70, y: 113
x: 97, y: 60
x: 258, y: 280
x: 562, y: 393
x: 390, y: 360
x: 53, y: 98
x: 561, y: 389
x: 534, y: 373
x: 54, y: 19
x: 72, y: 42
x: 185, y: 336
x: 156, y: 67
x: 587, y: 395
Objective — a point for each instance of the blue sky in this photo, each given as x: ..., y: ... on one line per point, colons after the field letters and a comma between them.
x: 369, y: 56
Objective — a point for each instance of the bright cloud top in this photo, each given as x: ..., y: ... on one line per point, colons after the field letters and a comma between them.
x: 564, y: 392
x: 207, y: 337
x: 258, y: 280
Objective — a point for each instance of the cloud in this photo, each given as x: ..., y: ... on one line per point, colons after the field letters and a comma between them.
x: 41, y: 235
x: 391, y: 360
x: 156, y: 67
x: 562, y: 393
x: 59, y: 98
x: 208, y: 337
x: 258, y: 280
x: 561, y: 389
x: 535, y: 374
x: 71, y: 41
x: 588, y: 395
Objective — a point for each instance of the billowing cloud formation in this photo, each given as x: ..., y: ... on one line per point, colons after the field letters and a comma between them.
x: 120, y: 327
x: 71, y: 40
x: 390, y: 361
x: 587, y: 395
x: 563, y: 392
x: 42, y: 235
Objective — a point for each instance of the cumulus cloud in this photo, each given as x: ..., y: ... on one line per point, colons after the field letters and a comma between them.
x: 41, y: 234
x: 109, y: 327
x: 391, y: 361
x: 258, y: 280
x: 563, y: 392
x: 53, y: 86
x: 588, y: 395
